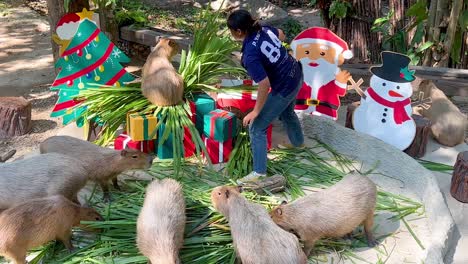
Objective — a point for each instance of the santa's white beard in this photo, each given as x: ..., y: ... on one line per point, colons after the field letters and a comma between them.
x: 317, y: 77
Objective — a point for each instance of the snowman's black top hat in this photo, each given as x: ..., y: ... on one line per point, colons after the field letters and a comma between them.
x: 394, y: 68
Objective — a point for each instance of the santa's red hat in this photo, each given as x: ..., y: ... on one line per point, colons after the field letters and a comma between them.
x: 322, y: 36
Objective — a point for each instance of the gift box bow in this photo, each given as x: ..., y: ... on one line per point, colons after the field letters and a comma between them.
x: 221, y: 114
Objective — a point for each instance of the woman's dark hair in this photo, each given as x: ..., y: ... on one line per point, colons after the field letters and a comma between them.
x: 243, y: 20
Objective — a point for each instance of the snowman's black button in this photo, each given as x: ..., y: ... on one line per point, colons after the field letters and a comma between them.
x: 383, y: 120
x: 384, y: 114
x: 385, y: 109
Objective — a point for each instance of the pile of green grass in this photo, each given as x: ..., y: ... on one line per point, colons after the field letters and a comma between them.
x: 207, y: 236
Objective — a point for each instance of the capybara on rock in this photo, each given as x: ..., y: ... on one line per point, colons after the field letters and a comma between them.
x: 448, y: 122
x: 102, y: 164
x: 333, y: 212
x: 161, y: 223
x: 257, y: 239
x: 41, y: 176
x: 161, y: 84
x: 38, y: 221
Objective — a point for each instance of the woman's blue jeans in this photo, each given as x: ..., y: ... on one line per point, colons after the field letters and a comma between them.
x: 275, y: 106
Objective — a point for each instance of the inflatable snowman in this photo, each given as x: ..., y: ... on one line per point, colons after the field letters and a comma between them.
x: 385, y: 110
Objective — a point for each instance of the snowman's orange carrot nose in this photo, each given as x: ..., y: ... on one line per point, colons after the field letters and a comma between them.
x: 394, y: 94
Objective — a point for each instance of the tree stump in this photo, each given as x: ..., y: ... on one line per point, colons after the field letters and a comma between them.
x: 273, y: 184
x: 459, y: 187
x: 15, y: 116
x: 417, y: 149
x: 349, y: 114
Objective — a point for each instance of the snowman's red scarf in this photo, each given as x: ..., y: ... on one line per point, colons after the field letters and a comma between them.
x: 399, y: 112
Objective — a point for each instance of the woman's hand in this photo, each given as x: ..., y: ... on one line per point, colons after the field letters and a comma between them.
x: 250, y: 117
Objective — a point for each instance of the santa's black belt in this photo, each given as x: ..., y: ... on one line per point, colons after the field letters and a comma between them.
x: 316, y: 103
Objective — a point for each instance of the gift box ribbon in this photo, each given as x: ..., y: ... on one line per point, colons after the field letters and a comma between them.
x: 213, y: 122
x: 220, y: 151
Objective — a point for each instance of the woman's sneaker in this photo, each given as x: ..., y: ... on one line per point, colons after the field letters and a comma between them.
x: 290, y: 146
x: 251, y: 178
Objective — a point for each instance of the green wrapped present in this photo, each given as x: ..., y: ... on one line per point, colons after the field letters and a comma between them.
x: 220, y: 125
x: 201, y: 105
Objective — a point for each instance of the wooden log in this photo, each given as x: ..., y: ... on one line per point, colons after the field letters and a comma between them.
x: 417, y: 149
x: 15, y: 116
x: 459, y: 187
x: 7, y: 155
x: 273, y: 184
x: 349, y: 114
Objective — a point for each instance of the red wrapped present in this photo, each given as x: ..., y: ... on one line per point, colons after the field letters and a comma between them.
x: 218, y: 152
x: 124, y: 141
x: 189, y: 145
x: 243, y: 100
x: 269, y: 134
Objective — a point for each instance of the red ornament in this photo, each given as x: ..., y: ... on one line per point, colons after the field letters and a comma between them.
x: 79, y: 53
x: 69, y: 82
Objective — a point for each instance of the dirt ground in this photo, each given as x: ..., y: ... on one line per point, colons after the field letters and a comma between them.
x: 26, y: 69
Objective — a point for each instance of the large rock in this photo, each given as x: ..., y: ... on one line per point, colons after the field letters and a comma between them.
x: 398, y: 167
x: 260, y: 9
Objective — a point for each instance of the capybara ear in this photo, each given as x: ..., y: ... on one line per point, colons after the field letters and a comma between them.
x: 240, y: 189
x: 123, y: 153
x: 278, y: 211
x: 226, y: 193
x: 284, y: 202
x: 172, y: 43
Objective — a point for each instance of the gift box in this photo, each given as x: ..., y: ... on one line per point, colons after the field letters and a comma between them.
x: 201, y: 105
x: 218, y: 152
x: 189, y: 145
x: 164, y: 150
x: 242, y: 100
x: 141, y: 127
x: 124, y: 141
x: 269, y: 136
x: 220, y: 125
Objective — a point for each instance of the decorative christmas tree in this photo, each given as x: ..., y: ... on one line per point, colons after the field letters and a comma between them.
x: 87, y: 58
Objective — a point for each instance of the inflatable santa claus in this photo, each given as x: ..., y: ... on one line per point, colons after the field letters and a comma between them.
x: 321, y: 52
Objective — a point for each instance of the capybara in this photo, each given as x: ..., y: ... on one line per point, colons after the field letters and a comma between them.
x: 38, y: 221
x: 161, y: 223
x: 161, y: 84
x: 102, y: 164
x: 448, y: 122
x: 257, y: 239
x: 333, y: 212
x: 41, y: 176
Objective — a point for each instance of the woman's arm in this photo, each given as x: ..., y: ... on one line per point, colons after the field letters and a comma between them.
x: 262, y: 94
x: 281, y: 35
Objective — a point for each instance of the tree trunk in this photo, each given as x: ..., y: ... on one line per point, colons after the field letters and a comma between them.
x: 15, y: 116
x: 459, y: 187
x: 417, y: 149
x: 430, y: 31
x: 273, y: 184
x: 355, y: 29
x: 56, y: 11
x: 457, y: 6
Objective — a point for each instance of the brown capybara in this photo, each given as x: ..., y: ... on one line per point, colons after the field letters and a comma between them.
x: 41, y: 176
x: 102, y: 164
x: 161, y: 84
x: 161, y: 222
x: 256, y: 238
x: 448, y: 122
x: 333, y: 212
x: 36, y: 222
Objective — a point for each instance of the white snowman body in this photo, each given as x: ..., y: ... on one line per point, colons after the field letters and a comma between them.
x: 377, y: 120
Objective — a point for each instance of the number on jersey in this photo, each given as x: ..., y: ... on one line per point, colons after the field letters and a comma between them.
x: 272, y: 52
